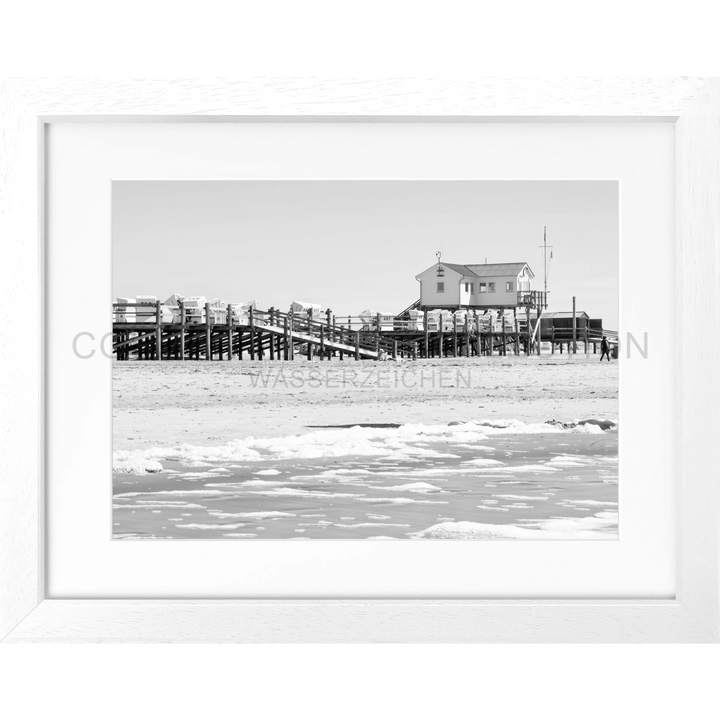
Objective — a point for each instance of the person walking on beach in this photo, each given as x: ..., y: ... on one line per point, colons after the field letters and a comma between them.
x: 605, y: 349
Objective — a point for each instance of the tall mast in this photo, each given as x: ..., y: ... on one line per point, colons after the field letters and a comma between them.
x: 545, y: 254
x: 545, y: 247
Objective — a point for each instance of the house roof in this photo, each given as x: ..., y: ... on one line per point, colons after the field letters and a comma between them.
x: 484, y: 270
x: 497, y: 269
x: 462, y: 269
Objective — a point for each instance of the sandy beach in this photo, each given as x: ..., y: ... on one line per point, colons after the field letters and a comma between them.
x: 209, y: 403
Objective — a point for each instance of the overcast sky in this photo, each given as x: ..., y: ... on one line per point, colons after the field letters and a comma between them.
x: 357, y: 245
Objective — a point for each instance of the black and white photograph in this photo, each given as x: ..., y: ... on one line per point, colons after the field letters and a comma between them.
x: 380, y: 360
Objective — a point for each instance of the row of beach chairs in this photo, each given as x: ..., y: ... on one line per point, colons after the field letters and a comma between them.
x: 445, y: 320
x: 142, y: 309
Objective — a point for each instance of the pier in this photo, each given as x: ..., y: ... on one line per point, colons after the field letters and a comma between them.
x: 154, y: 331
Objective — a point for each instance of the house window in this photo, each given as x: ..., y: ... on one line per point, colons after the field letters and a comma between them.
x: 483, y: 288
x: 441, y: 287
x: 491, y: 287
x: 508, y: 286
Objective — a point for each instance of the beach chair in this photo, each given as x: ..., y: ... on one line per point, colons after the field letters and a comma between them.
x: 145, y: 314
x: 195, y: 309
x: 448, y: 322
x: 368, y: 319
x: 173, y: 305
x: 218, y: 311
x: 124, y: 314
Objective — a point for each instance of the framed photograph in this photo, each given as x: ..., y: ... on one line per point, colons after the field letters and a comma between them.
x: 431, y: 364
x: 327, y: 420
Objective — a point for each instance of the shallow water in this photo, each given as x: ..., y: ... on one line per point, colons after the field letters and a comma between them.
x: 539, y: 485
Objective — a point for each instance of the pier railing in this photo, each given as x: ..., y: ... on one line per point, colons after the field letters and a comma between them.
x: 532, y: 299
x: 145, y: 330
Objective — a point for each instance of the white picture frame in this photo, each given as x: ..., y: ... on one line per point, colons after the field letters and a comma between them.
x: 693, y: 104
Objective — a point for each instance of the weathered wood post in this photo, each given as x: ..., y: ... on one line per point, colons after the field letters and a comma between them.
x: 339, y: 336
x: 552, y: 340
x: 229, y: 331
x: 291, y: 315
x: 467, y: 334
x: 478, y: 334
x: 357, y: 344
x: 491, y: 334
x: 330, y: 331
x: 322, y: 343
x: 504, y: 338
x: 252, y: 332
x: 278, y: 337
x: 574, y: 330
x: 517, y: 332
x: 377, y: 336
x: 441, y: 328
x: 259, y: 335
x: 455, y: 337
x: 310, y: 347
x: 158, y: 331
x: 208, y: 333
x: 528, y: 328
x: 286, y: 337
x: 271, y: 321
x: 181, y: 308
x: 538, y: 331
x: 394, y: 349
x: 586, y: 338
x: 427, y: 333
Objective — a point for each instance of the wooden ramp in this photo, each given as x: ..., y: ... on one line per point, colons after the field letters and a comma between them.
x: 322, y: 343
x: 142, y: 332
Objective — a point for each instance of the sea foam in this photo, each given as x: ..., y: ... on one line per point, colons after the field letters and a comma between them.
x: 398, y: 443
x: 601, y: 526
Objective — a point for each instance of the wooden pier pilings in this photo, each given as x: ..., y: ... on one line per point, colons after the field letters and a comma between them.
x: 141, y: 333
